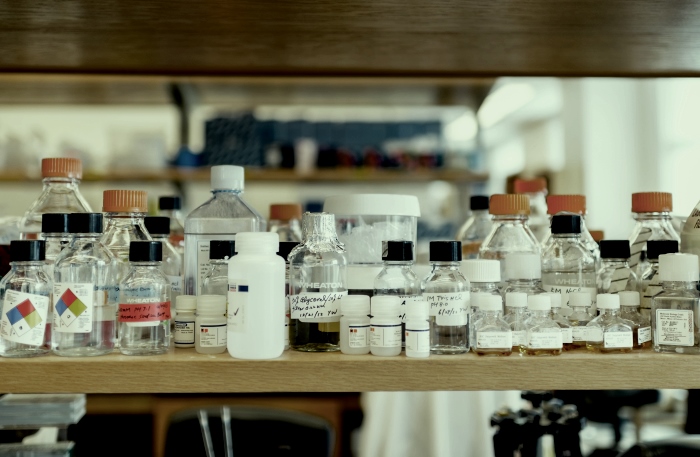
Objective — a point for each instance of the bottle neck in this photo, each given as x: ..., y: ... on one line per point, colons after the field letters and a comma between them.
x: 540, y: 313
x: 125, y: 218
x: 517, y: 310
x: 629, y: 308
x: 567, y: 236
x: 218, y: 261
x: 511, y: 219
x: 86, y: 237
x: 608, y: 312
x: 660, y: 216
x: 445, y: 265
x: 679, y: 285
x: 523, y: 282
x: 224, y: 193
x: 489, y: 314
x: 58, y: 182
x: 27, y: 265
x: 615, y: 262
x: 481, y: 214
x: 142, y: 264
x: 403, y: 264
x: 579, y: 309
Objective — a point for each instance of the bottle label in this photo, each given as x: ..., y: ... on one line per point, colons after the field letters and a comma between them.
x: 567, y: 336
x: 24, y: 317
x: 643, y: 334
x: 175, y: 284
x: 520, y: 338
x: 674, y: 327
x: 417, y: 340
x: 405, y: 300
x: 184, y: 332
x: 544, y: 340
x: 617, y: 339
x: 357, y: 336
x: 212, y: 335
x: 73, y: 307
x: 385, y: 336
x: 494, y: 340
x: 449, y: 308
x: 237, y: 304
x: 316, y: 306
x: 579, y: 334
x: 141, y: 313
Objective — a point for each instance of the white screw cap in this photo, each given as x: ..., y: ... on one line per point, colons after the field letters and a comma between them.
x: 608, y: 301
x: 214, y: 304
x: 516, y: 299
x: 227, y: 177
x: 476, y: 298
x: 579, y: 299
x: 491, y: 303
x: 357, y: 305
x: 539, y: 302
x: 185, y: 302
x: 629, y: 298
x: 482, y: 270
x: 678, y: 267
x: 257, y: 241
x: 555, y: 298
x: 523, y: 265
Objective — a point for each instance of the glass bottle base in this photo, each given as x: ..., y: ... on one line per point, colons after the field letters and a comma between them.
x: 317, y: 347
x: 695, y: 350
x: 448, y: 350
x: 144, y: 351
x: 82, y: 352
x: 24, y: 353
x: 598, y: 347
x: 493, y: 352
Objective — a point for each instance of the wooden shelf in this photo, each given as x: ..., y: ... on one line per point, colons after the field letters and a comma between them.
x: 187, y: 371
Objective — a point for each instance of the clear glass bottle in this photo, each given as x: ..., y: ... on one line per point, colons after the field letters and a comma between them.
x: 510, y: 231
x: 85, y: 291
x: 580, y: 303
x: 476, y: 228
x: 561, y: 320
x: 210, y: 328
x: 570, y: 204
x: 61, y: 194
x: 318, y: 276
x: 25, y: 294
x: 285, y: 220
x: 286, y: 247
x: 417, y: 329
x: 615, y: 273
x: 493, y: 334
x: 516, y: 316
x: 171, y: 206
x: 215, y: 280
x: 674, y: 310
x: 144, y: 302
x: 159, y: 229
x: 652, y: 211
x: 54, y: 230
x: 567, y: 266
x: 608, y: 332
x: 385, y: 326
x: 629, y: 309
x: 220, y: 218
x: 354, y: 324
x: 475, y: 300
x: 649, y: 283
x: 524, y: 271
x: 447, y: 291
x: 543, y: 334
x: 536, y: 191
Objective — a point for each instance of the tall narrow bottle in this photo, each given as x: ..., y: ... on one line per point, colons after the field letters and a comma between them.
x: 570, y: 204
x: 536, y: 191
x: 476, y: 228
x: 650, y: 283
x: 318, y: 281
x: 171, y: 206
x: 615, y: 273
x: 652, y: 211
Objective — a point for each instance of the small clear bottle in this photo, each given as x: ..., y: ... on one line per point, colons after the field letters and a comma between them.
x: 354, y: 324
x: 385, y: 326
x: 25, y: 294
x: 516, y: 316
x: 563, y: 322
x: 184, y: 333
x: 54, y: 230
x: 215, y: 280
x: 210, y: 325
x: 144, y: 302
x: 61, y: 194
x: 171, y: 206
x: 417, y: 329
x: 615, y: 273
x: 493, y: 334
x: 476, y: 228
x: 159, y: 229
x: 674, y: 310
x: 536, y: 191
x: 286, y: 247
x: 85, y: 292
x: 649, y: 283
x: 475, y: 300
x: 629, y: 309
x: 580, y: 303
x: 285, y: 220
x: 524, y: 271
x: 570, y: 204
x: 447, y: 291
x: 543, y: 334
x: 652, y: 213
x: 510, y: 231
x: 608, y: 332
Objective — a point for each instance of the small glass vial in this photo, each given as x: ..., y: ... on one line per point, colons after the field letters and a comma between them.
x: 615, y: 273
x: 493, y: 334
x: 171, y: 207
x: 354, y: 325
x: 516, y: 316
x: 210, y: 325
x: 524, y: 271
x: 385, y: 326
x: 417, y: 329
x: 285, y: 220
x: 629, y: 309
x: 536, y: 191
x: 183, y: 335
x: 649, y: 283
x: 54, y: 230
x: 144, y: 302
x: 608, y: 332
x: 25, y: 294
x: 215, y: 280
x: 563, y: 322
x: 286, y: 247
x: 447, y: 292
x: 652, y: 211
x: 476, y: 228
x: 674, y: 310
x: 543, y: 334
x: 159, y: 229
x: 580, y: 303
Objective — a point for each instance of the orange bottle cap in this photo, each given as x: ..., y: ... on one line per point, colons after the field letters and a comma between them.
x: 597, y: 235
x: 62, y: 167
x: 652, y: 202
x: 529, y: 186
x: 569, y: 203
x: 124, y: 201
x: 285, y: 211
x: 507, y: 204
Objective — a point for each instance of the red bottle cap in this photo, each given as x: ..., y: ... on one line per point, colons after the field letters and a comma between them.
x: 570, y: 203
x: 507, y: 204
x: 652, y: 202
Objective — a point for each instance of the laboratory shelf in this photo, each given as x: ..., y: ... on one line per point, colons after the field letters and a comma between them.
x: 185, y: 371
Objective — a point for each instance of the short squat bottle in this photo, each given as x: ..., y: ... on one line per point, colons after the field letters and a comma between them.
x: 447, y: 292
x: 649, y: 283
x: 615, y: 273
x: 417, y: 329
x: 608, y: 332
x: 484, y: 277
x: 476, y: 228
x: 354, y: 324
x: 543, y: 334
x: 159, y: 229
x: 563, y: 322
x: 144, y: 302
x: 183, y: 334
x: 210, y: 325
x: 385, y: 326
x: 25, y: 294
x: 580, y: 304
x: 85, y: 292
x: 524, y: 271
x: 652, y: 213
x: 629, y: 309
x: 285, y: 221
x: 171, y: 207
x: 215, y: 280
x: 493, y: 334
x: 54, y: 230
x: 674, y: 321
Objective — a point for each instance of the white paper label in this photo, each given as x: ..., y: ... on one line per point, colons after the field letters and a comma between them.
x: 579, y: 334
x: 358, y: 337
x: 405, y: 300
x: 24, y: 317
x: 184, y: 332
x: 567, y: 336
x: 316, y: 306
x: 520, y: 338
x: 594, y: 334
x: 451, y: 309
x: 237, y: 304
x: 212, y: 336
x: 643, y: 335
x: 674, y: 327
x: 175, y: 284
x: 542, y: 340
x: 73, y: 306
x: 385, y: 336
x: 617, y: 339
x: 494, y: 340
x: 417, y: 340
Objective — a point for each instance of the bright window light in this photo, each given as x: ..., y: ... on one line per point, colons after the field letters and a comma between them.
x: 503, y: 102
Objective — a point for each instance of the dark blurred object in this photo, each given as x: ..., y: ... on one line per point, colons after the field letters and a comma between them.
x: 4, y: 259
x: 692, y: 418
x: 683, y: 446
x: 233, y: 141
x: 94, y: 435
x: 186, y: 158
x: 313, y: 207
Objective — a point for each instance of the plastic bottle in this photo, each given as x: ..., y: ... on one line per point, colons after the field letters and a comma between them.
x: 483, y: 275
x: 561, y: 320
x: 516, y: 316
x: 629, y: 309
x: 652, y: 211
x: 159, y: 229
x: 649, y: 283
x: 256, y: 297
x: 385, y: 326
x: 608, y: 332
x: 25, y: 295
x: 171, y: 206
x: 54, y: 230
x: 210, y: 325
x: 476, y: 228
x: 354, y: 324
x: 285, y: 220
x: 543, y: 334
x: 493, y: 334
x: 61, y: 194
x: 185, y: 305
x: 286, y: 247
x: 215, y: 280
x: 570, y: 204
x: 417, y: 329
x: 524, y: 271
x: 580, y: 303
x: 220, y: 218
x: 615, y: 273
x: 536, y: 191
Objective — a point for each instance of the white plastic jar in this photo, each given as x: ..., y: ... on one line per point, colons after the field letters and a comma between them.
x: 417, y: 329
x: 183, y: 336
x: 210, y: 324
x: 385, y: 326
x: 354, y: 324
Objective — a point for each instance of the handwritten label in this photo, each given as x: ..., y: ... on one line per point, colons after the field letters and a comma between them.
x: 24, y: 318
x: 144, y: 313
x: 494, y: 340
x: 449, y: 308
x: 544, y: 340
x: 674, y: 327
x: 316, y: 306
x: 578, y: 334
x: 617, y: 339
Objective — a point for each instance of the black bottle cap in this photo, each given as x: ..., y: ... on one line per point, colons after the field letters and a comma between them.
x: 157, y: 225
x: 171, y: 202
x: 397, y: 251
x: 614, y: 249
x: 54, y: 223
x: 285, y: 248
x: 27, y: 250
x: 145, y: 251
x: 445, y: 251
x: 655, y: 248
x: 478, y: 202
x: 221, y: 249
x: 566, y: 223
x: 85, y: 223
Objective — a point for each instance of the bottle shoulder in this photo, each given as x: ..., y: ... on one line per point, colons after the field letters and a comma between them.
x: 510, y: 237
x: 223, y: 205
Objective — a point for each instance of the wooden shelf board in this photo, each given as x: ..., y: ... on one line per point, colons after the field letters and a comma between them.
x: 186, y: 371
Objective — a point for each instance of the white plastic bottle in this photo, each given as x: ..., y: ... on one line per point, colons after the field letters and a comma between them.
x: 417, y: 329
x: 354, y: 324
x: 385, y: 326
x: 183, y: 335
x: 210, y: 325
x: 256, y: 301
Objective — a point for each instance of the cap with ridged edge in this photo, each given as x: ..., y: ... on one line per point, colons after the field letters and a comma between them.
x: 516, y: 300
x: 608, y: 301
x: 509, y: 204
x: 54, y: 223
x: 397, y: 251
x: 481, y: 270
x: 211, y: 304
x: 523, y: 265
x: 580, y: 299
x: 124, y: 201
x: 227, y: 177
x: 445, y: 251
x: 539, y: 302
x: 27, y: 250
x: 62, y: 167
x: 566, y: 203
x: 491, y: 303
x: 652, y: 202
x: 563, y: 224
x: 629, y: 298
x: 385, y: 305
x: 529, y: 186
x: 356, y: 305
x: 185, y: 302
x: 678, y: 267
x: 418, y: 309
